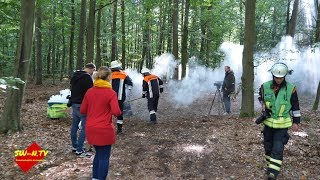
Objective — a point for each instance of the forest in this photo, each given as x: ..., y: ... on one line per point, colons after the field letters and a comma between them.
x: 187, y: 43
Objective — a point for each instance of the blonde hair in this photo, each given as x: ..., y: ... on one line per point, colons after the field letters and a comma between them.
x: 103, y: 73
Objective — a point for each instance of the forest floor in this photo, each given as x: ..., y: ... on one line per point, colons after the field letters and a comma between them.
x: 187, y: 143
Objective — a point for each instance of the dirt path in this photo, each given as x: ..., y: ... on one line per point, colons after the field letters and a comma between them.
x: 185, y: 144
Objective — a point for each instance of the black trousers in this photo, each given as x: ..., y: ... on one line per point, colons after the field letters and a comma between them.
x: 153, y: 107
x: 120, y: 102
x: 153, y: 104
x: 274, y: 141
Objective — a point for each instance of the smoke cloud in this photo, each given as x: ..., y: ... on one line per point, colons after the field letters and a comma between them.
x: 136, y: 91
x: 303, y: 61
x: 200, y: 79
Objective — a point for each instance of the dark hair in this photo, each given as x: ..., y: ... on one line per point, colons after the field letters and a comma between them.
x: 90, y: 66
x: 103, y: 73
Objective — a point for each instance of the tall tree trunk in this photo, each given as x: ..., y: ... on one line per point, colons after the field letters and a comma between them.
x: 247, y: 104
x: 208, y: 42
x: 288, y: 16
x: 161, y: 29
x: 136, y: 32
x: 169, y: 27
x: 123, y: 30
x: 291, y: 24
x: 71, y: 49
x: 203, y: 36
x: 54, y: 46
x: 316, y: 102
x: 274, y: 24
x: 90, y: 30
x: 54, y: 55
x: 82, y: 27
x: 184, y: 43
x: 182, y: 12
x: 175, y: 35
x: 114, y: 49
x: 64, y: 47
x: 10, y: 119
x: 39, y: 44
x: 33, y: 65
x: 98, y: 38
x: 146, y: 39
x: 49, y: 59
x: 193, y: 43
x: 241, y: 22
x: 317, y: 39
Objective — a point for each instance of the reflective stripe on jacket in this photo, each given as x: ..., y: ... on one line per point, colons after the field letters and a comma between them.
x: 119, y: 79
x: 279, y: 107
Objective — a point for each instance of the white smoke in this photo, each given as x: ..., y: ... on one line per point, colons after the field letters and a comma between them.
x: 303, y: 62
x: 164, y: 66
x: 61, y: 98
x: 136, y: 90
x: 200, y: 79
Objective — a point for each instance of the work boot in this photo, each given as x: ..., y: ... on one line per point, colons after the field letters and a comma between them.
x: 119, y: 128
x: 271, y: 176
x: 153, y: 119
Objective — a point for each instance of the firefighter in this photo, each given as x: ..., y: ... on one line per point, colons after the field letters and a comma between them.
x: 152, y: 86
x: 280, y: 99
x: 119, y: 80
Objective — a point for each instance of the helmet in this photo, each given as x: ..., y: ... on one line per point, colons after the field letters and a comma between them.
x: 115, y: 64
x: 145, y: 70
x: 279, y: 70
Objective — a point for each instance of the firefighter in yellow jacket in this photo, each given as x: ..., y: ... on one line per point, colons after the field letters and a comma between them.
x: 280, y: 104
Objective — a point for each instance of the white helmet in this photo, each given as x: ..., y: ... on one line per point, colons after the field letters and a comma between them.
x: 145, y: 70
x: 279, y: 70
x: 115, y: 64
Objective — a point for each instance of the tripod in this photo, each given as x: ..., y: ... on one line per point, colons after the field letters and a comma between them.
x: 221, y: 101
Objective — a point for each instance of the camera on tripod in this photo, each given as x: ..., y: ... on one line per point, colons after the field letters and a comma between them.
x: 264, y: 116
x: 218, y: 84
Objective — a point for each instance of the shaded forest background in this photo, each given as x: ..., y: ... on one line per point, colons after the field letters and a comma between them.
x: 71, y: 33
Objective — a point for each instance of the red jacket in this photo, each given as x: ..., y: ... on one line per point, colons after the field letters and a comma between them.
x: 100, y: 104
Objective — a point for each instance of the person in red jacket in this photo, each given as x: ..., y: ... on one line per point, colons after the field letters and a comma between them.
x: 100, y: 103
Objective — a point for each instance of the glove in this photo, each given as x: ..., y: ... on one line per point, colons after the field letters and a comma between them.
x: 69, y: 104
x: 143, y: 96
x: 161, y: 90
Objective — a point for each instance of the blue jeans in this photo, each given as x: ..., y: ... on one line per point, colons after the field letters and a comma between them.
x: 77, y: 142
x: 101, y: 159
